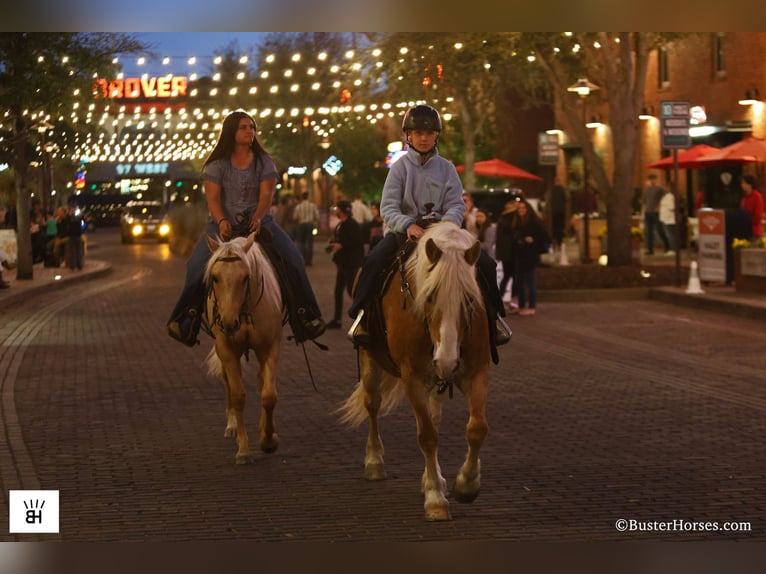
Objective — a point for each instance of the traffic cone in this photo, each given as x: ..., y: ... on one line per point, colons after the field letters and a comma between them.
x: 694, y: 287
x: 563, y: 260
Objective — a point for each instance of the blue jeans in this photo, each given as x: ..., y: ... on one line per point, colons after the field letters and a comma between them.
x: 193, y: 294
x: 527, y: 282
x: 652, y: 224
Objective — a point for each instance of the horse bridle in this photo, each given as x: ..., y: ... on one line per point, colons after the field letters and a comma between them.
x: 442, y: 385
x: 245, y: 308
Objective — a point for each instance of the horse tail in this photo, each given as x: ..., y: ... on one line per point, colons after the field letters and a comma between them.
x: 214, y: 365
x: 353, y: 411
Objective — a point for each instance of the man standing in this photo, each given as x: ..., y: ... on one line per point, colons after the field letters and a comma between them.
x: 306, y: 215
x: 752, y: 202
x: 359, y: 210
x: 347, y: 253
x: 650, y: 200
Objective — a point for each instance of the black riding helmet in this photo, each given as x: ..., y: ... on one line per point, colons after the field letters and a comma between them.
x: 422, y: 117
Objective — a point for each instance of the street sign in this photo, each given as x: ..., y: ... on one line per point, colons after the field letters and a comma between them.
x: 674, y: 125
x: 547, y: 149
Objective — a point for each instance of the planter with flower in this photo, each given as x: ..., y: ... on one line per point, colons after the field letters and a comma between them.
x: 749, y: 265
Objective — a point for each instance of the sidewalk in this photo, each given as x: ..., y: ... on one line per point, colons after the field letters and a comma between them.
x: 716, y: 297
x: 48, y: 278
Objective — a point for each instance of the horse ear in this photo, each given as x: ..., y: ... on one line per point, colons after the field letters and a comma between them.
x: 212, y: 243
x: 432, y: 251
x: 249, y: 243
x: 472, y: 253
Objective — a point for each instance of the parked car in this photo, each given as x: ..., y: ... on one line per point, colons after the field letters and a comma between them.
x: 144, y: 220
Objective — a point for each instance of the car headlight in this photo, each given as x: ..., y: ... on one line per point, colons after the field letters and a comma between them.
x: 164, y: 229
x: 137, y: 229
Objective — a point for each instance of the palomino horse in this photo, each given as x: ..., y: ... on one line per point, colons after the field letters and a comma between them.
x: 437, y: 334
x: 244, y: 311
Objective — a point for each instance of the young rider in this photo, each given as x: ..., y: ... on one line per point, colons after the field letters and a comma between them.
x: 422, y: 187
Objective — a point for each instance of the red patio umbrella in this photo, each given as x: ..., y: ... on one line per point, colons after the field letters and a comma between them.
x: 499, y: 168
x: 686, y: 158
x: 748, y: 150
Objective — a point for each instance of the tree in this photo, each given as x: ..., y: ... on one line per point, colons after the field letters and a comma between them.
x: 617, y: 63
x: 44, y: 77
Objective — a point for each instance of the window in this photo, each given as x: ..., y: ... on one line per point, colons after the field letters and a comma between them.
x: 663, y: 79
x: 719, y: 62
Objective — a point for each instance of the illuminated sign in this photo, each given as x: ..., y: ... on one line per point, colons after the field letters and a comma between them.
x: 132, y: 169
x: 333, y: 165
x: 131, y: 88
x: 294, y: 170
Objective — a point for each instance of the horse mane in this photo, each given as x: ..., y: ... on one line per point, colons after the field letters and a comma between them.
x: 450, y: 284
x: 257, y: 264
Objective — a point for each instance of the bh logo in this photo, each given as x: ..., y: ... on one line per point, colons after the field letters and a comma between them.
x: 33, y: 511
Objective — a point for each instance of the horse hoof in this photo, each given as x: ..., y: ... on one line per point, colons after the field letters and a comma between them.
x: 466, y: 497
x: 374, y: 472
x: 269, y: 446
x: 245, y: 458
x: 437, y: 514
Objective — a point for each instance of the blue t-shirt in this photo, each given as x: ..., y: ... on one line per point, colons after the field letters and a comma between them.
x: 240, y: 188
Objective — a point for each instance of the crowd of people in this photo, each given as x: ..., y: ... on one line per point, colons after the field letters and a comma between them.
x: 56, y: 238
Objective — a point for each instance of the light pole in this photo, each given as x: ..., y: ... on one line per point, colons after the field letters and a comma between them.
x: 583, y: 88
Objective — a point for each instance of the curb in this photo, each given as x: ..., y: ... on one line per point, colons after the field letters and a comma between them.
x: 593, y: 295
x: 97, y: 270
x: 709, y: 302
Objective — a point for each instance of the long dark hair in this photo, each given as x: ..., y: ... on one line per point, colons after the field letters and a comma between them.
x: 224, y: 147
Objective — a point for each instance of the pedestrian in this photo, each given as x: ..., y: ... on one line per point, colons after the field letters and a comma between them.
x: 650, y: 202
x: 74, y: 247
x: 530, y: 239
x: 306, y: 216
x: 360, y: 212
x: 240, y: 179
x: 469, y: 220
x: 421, y: 188
x: 485, y: 232
x: 667, y: 215
x: 505, y: 251
x: 374, y: 231
x: 347, y: 251
x: 752, y: 202
x: 37, y: 231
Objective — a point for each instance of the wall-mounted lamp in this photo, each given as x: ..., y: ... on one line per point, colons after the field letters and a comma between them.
x: 647, y: 113
x: 553, y: 132
x: 751, y: 97
x: 594, y: 123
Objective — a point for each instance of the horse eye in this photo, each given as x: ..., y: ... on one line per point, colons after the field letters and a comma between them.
x: 215, y: 279
x: 244, y: 281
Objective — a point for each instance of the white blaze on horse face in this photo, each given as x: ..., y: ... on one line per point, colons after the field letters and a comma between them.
x: 447, y: 351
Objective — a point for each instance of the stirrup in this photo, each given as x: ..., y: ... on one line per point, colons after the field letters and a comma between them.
x: 356, y: 334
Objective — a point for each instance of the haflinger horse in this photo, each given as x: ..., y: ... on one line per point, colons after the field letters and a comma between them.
x: 244, y: 311
x: 437, y: 335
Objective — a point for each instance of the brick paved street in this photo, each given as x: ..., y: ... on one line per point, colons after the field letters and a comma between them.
x: 632, y: 409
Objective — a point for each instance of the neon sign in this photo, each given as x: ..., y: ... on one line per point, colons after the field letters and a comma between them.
x: 131, y: 88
